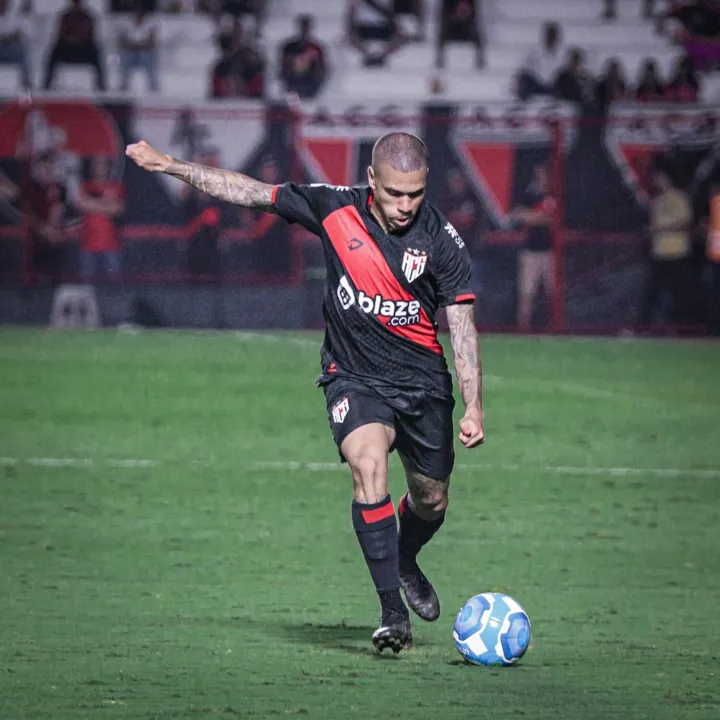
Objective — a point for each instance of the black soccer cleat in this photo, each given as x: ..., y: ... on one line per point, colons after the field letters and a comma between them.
x: 395, y: 632
x: 419, y: 593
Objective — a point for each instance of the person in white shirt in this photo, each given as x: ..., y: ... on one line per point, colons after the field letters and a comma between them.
x: 538, y: 74
x: 13, y: 46
x: 138, y: 47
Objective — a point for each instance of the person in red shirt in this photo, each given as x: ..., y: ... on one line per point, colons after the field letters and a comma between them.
x: 76, y: 44
x: 536, y: 262
x: 101, y: 201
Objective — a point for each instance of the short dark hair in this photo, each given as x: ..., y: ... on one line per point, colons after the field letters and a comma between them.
x: 402, y: 151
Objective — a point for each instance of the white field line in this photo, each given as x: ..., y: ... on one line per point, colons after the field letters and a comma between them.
x: 292, y: 466
x: 545, y: 469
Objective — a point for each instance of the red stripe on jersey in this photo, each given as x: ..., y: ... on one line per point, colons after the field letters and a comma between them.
x: 274, y: 194
x: 373, y: 516
x: 463, y: 298
x: 369, y: 271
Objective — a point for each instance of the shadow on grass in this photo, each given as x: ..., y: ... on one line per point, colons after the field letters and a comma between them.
x: 354, y: 639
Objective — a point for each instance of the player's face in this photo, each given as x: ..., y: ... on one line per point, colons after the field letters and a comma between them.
x: 397, y: 196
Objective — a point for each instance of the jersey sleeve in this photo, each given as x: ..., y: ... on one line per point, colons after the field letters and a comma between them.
x: 453, y: 272
x: 307, y: 205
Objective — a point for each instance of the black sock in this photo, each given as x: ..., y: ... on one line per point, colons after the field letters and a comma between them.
x: 414, y: 532
x: 376, y: 530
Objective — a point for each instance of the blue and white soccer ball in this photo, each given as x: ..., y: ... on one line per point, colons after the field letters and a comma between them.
x: 492, y: 629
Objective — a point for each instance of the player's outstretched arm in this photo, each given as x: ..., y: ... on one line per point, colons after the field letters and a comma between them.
x: 468, y: 369
x: 225, y: 185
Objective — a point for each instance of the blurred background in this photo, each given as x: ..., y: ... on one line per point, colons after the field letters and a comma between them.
x: 574, y: 146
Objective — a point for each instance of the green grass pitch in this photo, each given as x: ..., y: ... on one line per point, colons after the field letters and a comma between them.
x: 175, y: 537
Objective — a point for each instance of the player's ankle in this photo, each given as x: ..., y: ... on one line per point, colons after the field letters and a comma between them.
x: 407, y: 562
x: 391, y: 601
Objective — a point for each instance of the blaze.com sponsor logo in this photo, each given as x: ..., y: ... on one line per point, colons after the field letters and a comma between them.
x: 399, y: 313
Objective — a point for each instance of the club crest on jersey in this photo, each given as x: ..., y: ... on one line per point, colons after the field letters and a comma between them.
x: 414, y: 262
x: 340, y: 410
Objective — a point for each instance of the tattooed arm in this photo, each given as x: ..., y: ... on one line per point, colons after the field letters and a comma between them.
x: 225, y: 185
x: 468, y: 369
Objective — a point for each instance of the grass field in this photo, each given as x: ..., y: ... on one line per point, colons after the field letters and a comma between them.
x: 175, y: 537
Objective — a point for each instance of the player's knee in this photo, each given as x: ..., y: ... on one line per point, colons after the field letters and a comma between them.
x: 369, y: 476
x: 431, y: 504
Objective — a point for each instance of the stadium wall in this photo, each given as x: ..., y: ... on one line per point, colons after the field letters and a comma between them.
x: 249, y: 271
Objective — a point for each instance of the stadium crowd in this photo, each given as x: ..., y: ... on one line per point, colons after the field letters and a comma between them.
x: 555, y: 70
x: 375, y: 29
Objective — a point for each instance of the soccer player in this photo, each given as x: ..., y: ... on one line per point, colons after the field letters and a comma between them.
x: 392, y: 261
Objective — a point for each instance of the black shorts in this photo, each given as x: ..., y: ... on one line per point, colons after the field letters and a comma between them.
x: 423, y: 423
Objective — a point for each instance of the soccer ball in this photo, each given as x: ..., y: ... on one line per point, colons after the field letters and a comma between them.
x: 492, y: 629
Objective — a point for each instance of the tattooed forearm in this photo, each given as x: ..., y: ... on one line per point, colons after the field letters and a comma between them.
x: 225, y: 185
x: 468, y: 363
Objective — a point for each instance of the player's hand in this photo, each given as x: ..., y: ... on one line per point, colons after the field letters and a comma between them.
x: 472, y: 428
x: 147, y: 157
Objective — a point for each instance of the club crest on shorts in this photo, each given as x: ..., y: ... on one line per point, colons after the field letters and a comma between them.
x: 340, y: 410
x: 414, y: 262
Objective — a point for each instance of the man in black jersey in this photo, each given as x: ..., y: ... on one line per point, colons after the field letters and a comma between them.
x: 392, y: 261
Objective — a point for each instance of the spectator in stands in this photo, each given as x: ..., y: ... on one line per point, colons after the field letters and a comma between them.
x: 574, y: 83
x: 461, y: 206
x: 240, y: 72
x: 684, y: 85
x: 699, y: 31
x: 250, y: 70
x: 101, y: 201
x: 226, y: 12
x: 44, y: 201
x: 203, y: 216
x: 612, y: 86
x: 413, y: 14
x: 670, y: 248
x: 13, y: 46
x: 700, y: 19
x: 302, y: 61
x: 459, y: 22
x: 137, y: 43
x: 76, y: 44
x: 536, y: 265
x: 610, y: 13
x: 538, y: 75
x: 650, y: 87
x: 223, y: 81
x: 372, y: 30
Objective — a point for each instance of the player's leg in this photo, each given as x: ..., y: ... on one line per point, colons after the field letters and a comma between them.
x: 425, y: 445
x: 422, y: 514
x: 366, y: 450
x: 547, y: 273
x: 528, y: 282
x: 362, y: 425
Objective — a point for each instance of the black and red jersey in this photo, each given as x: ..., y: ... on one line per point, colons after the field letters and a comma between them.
x: 382, y: 291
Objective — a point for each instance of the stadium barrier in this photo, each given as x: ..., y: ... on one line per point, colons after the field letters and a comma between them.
x: 187, y: 260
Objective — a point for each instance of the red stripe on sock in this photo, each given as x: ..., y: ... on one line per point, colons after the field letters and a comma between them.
x: 378, y: 514
x: 402, y: 504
